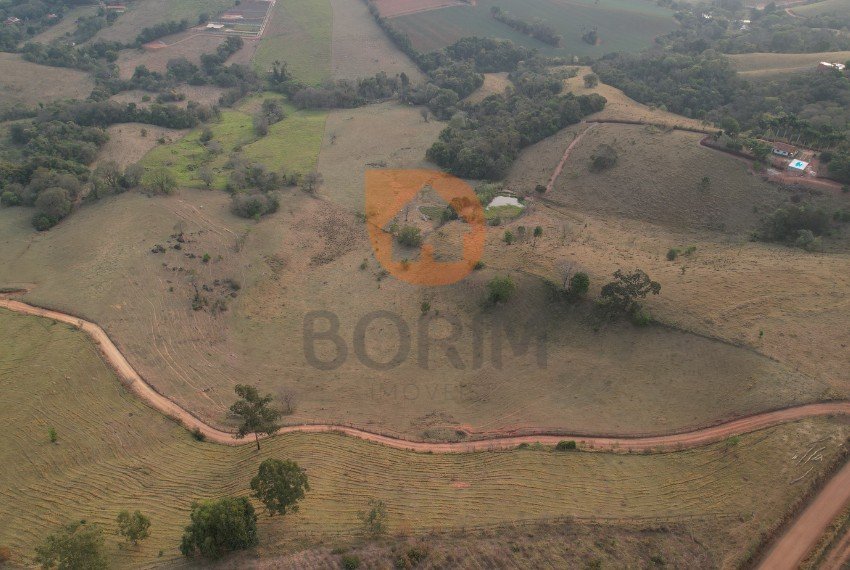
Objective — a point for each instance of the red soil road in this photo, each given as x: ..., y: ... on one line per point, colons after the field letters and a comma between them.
x: 567, y: 153
x: 793, y: 546
x: 490, y: 441
x: 786, y: 553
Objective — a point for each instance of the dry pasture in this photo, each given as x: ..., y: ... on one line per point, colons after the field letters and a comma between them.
x: 360, y: 48
x: 26, y: 83
x: 113, y: 453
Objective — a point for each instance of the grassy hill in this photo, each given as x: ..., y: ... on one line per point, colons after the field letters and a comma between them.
x: 623, y: 25
x: 113, y: 453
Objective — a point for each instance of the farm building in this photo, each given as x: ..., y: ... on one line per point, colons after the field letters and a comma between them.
x: 784, y: 150
x: 12, y: 20
x: 214, y: 26
x: 827, y: 66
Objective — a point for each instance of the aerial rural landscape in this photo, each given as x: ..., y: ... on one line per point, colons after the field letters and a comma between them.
x: 425, y: 284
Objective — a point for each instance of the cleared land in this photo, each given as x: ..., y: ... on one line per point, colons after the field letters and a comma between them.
x: 146, y: 13
x: 292, y: 143
x: 767, y: 64
x: 299, y: 34
x: 126, y: 144
x: 26, y: 83
x: 360, y: 48
x: 622, y: 25
x: 494, y: 84
x: 393, y: 8
x: 114, y: 453
x: 65, y: 27
x: 825, y: 7
x: 190, y: 44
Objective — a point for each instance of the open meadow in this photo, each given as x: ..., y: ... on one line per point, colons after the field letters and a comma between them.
x: 112, y: 453
x: 298, y: 33
x: 757, y: 65
x: 823, y: 7
x: 24, y: 83
x: 147, y: 13
x: 622, y: 25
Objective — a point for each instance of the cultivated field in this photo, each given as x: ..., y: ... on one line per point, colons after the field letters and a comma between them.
x: 298, y: 33
x: 622, y: 25
x: 360, y: 48
x: 393, y: 8
x: 754, y: 65
x: 114, y: 453
x: 25, y: 83
x: 146, y: 13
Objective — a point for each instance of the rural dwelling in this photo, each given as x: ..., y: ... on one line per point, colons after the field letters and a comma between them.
x: 12, y: 20
x: 827, y: 66
x: 798, y: 166
x: 214, y: 26
x: 784, y: 150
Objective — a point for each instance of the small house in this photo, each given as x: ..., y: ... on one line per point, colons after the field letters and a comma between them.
x: 827, y: 66
x: 214, y: 26
x: 798, y: 166
x: 12, y: 20
x: 784, y: 150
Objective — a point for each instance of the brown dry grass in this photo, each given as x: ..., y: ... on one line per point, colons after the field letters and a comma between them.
x: 22, y: 82
x: 393, y: 8
x: 113, y: 452
x: 755, y: 65
x: 494, y: 83
x: 190, y: 44
x: 126, y: 144
x: 360, y: 48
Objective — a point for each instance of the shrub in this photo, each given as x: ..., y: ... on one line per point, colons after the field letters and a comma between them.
x: 500, y: 289
x: 350, y: 562
x: 786, y: 223
x: 604, y: 157
x: 9, y: 199
x: 198, y: 435
x: 641, y: 318
x: 51, y: 433
x: 579, y: 284
x: 410, y: 236
x: 566, y: 445
x: 219, y: 527
x: 672, y: 254
x: 254, y: 205
x: 43, y: 222
x: 134, y: 527
x: 509, y: 237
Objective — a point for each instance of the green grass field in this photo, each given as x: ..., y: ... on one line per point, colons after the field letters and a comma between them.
x: 145, y: 13
x: 755, y: 65
x: 292, y: 143
x: 825, y: 7
x: 299, y: 33
x: 623, y: 25
x: 113, y: 452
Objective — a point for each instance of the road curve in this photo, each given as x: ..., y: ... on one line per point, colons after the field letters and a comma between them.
x: 670, y: 442
x: 786, y: 553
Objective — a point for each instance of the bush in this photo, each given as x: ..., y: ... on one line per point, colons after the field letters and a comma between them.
x: 579, y: 284
x: 218, y: 527
x: 672, y: 254
x: 350, y: 562
x: 410, y: 236
x: 785, y: 224
x: 51, y: 433
x: 566, y: 445
x: 198, y: 435
x: 509, y: 237
x: 254, y: 205
x: 9, y: 199
x: 43, y: 222
x: 604, y: 157
x: 500, y: 289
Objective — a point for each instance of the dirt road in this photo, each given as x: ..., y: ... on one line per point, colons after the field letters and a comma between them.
x: 567, y: 153
x: 489, y: 441
x: 793, y: 546
x: 787, y: 552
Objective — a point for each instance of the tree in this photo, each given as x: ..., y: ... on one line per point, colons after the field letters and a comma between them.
x: 623, y: 293
x: 206, y: 175
x: 132, y: 175
x: 134, y: 527
x: 76, y: 545
x: 426, y: 114
x: 279, y: 485
x: 374, y: 519
x: 579, y: 284
x: 257, y: 416
x: 161, y: 181
x: 538, y: 232
x: 591, y: 80
x: 218, y: 527
x: 500, y: 289
x: 54, y: 203
x: 730, y: 125
x: 311, y: 182
x: 604, y: 157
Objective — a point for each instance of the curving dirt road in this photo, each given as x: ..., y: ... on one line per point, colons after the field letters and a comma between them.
x: 670, y: 442
x: 786, y: 553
